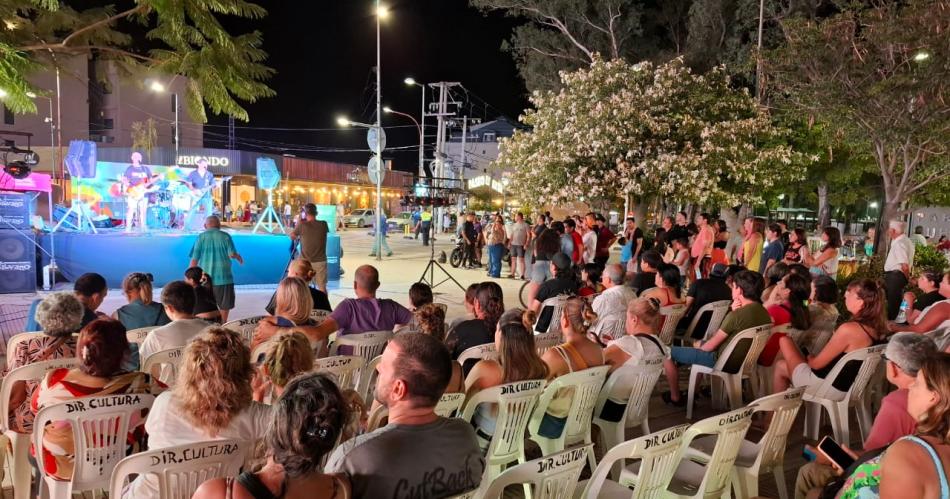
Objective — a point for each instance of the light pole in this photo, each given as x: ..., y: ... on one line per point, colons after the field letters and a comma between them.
x: 381, y: 13
x: 157, y: 87
x: 422, y: 124
x: 390, y: 110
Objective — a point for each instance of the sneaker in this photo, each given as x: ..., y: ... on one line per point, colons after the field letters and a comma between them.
x: 668, y: 400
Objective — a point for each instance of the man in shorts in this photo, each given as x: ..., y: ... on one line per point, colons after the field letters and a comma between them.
x: 312, y: 234
x: 516, y: 245
x: 213, y: 251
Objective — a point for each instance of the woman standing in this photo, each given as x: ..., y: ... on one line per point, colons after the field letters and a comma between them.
x: 701, y: 250
x: 496, y: 238
x: 825, y: 261
x: 750, y: 253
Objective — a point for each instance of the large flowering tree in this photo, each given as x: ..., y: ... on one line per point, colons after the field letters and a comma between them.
x: 615, y: 129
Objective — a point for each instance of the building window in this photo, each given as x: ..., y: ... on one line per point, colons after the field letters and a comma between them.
x: 108, y: 123
x: 488, y: 137
x: 7, y: 116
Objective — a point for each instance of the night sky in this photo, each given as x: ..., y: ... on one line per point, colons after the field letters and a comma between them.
x: 324, y: 51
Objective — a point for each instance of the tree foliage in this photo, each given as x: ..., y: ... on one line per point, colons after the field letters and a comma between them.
x: 186, y: 39
x: 616, y: 128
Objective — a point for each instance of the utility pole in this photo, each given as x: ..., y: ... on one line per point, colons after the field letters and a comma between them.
x: 231, y: 132
x: 462, y: 157
x: 440, y: 137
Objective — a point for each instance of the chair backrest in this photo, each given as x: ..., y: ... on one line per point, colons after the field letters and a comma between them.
x: 642, y: 379
x: 100, y: 428
x: 367, y: 345
x: 30, y: 372
x: 138, y: 335
x: 869, y: 358
x: 551, y: 477
x: 17, y: 339
x: 658, y: 452
x: 367, y: 378
x: 449, y: 404
x: 730, y: 429
x: 716, y: 310
x: 343, y: 367
x: 319, y: 315
x: 180, y: 470
x: 743, y: 349
x: 941, y: 337
x: 671, y: 318
x: 376, y: 417
x: 167, y: 360
x: 515, y: 403
x: 587, y: 385
x: 557, y: 306
x: 784, y: 407
x: 610, y: 327
x: 245, y: 327
x: 546, y: 341
x: 478, y: 352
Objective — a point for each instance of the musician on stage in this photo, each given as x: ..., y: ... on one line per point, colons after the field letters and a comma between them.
x: 135, y: 175
x: 201, y: 182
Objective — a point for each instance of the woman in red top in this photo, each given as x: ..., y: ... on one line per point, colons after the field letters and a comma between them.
x: 790, y: 293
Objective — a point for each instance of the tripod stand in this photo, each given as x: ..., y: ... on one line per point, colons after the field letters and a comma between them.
x: 269, y: 219
x: 430, y: 269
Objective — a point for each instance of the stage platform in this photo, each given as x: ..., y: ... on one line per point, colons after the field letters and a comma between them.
x: 164, y: 253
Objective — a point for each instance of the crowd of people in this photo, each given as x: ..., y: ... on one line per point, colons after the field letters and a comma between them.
x: 316, y: 442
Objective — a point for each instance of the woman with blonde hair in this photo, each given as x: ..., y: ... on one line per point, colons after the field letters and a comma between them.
x: 642, y: 324
x: 577, y: 352
x: 294, y: 303
x: 211, y: 399
x: 141, y: 311
x: 289, y: 355
x: 304, y: 270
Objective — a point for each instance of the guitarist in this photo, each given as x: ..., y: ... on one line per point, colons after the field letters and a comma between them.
x: 201, y: 182
x: 136, y: 174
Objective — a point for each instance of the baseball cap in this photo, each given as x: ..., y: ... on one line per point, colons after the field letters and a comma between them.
x: 561, y: 261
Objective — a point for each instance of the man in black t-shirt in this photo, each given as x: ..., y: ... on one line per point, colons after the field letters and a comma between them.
x: 564, y: 282
x: 646, y: 278
x: 702, y: 292
x: 470, y: 235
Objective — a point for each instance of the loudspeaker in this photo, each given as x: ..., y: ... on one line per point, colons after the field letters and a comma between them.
x: 14, y: 210
x: 81, y: 159
x: 268, y: 176
x: 17, y: 262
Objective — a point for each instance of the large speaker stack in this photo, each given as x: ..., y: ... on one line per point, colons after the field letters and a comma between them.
x: 17, y: 252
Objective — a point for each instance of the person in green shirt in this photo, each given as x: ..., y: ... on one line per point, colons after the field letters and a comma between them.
x: 747, y: 312
x: 213, y: 251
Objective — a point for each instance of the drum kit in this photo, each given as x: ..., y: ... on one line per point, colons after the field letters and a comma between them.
x: 169, y: 202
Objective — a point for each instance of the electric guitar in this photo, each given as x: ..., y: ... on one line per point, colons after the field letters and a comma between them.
x: 137, y: 192
x: 199, y: 192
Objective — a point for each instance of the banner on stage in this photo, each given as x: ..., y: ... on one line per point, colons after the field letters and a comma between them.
x: 105, y: 196
x: 35, y: 182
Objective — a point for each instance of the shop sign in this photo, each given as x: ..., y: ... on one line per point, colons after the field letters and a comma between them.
x: 192, y: 160
x: 485, y: 181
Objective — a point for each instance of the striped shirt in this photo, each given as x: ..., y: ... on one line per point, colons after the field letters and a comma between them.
x: 213, y: 250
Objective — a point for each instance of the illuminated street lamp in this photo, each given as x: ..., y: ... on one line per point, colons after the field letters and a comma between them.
x: 159, y: 88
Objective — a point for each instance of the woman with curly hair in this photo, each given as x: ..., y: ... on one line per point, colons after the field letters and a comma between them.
x: 430, y: 319
x: 308, y: 419
x: 211, y: 400
x: 489, y: 305
x: 578, y: 352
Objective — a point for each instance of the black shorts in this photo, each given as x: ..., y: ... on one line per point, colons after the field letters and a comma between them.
x: 224, y: 296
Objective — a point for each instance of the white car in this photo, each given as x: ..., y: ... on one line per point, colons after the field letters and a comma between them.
x: 360, y: 218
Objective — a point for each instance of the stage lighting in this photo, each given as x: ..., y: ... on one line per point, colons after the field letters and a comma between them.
x: 17, y: 169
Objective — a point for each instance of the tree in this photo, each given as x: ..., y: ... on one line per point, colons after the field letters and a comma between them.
x: 186, y: 39
x: 879, y: 77
x: 616, y: 129
x: 144, y: 137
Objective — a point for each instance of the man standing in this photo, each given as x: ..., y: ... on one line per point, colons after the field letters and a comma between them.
x: 312, y: 234
x: 136, y: 202
x: 416, y: 219
x: 414, y: 371
x: 897, y: 266
x: 470, y: 236
x: 516, y: 245
x: 213, y: 251
x: 679, y: 230
x: 201, y: 181
x: 570, y: 229
x: 288, y: 212
x: 426, y: 219
x: 381, y: 241
x: 615, y: 297
x: 605, y: 239
x: 918, y: 236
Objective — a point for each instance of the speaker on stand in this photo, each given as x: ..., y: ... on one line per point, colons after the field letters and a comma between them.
x: 81, y: 163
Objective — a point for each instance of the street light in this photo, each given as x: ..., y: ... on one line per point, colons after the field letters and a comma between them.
x: 388, y: 109
x: 159, y: 88
x: 921, y: 56
x: 422, y: 124
x: 342, y: 121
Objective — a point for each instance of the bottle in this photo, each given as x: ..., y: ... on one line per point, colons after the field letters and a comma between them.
x: 902, y: 315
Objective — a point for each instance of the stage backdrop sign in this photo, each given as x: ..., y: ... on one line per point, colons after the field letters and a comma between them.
x: 14, y: 211
x: 105, y: 196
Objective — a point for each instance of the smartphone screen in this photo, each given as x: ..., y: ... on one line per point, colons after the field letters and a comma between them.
x: 544, y: 319
x: 835, y: 453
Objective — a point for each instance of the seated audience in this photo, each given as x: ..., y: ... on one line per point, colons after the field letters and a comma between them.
x: 205, y: 306
x: 288, y: 355
x: 303, y: 270
x: 703, y: 292
x: 103, y: 348
x: 353, y: 315
x: 419, y: 294
x: 91, y: 289
x: 59, y: 316
x: 413, y: 374
x: 822, y: 308
x: 773, y: 276
x: 646, y: 278
x: 790, y: 294
x: 936, y: 316
x: 747, y: 312
x: 578, y: 352
x: 681, y: 258
x: 141, y: 311
x: 431, y: 321
x: 294, y: 303
x: 211, y: 400
x: 929, y: 284
x: 563, y: 283
x: 489, y: 305
x: 590, y: 280
x: 904, y: 354
x: 615, y: 296
x: 469, y: 307
x: 643, y: 317
x: 864, y: 299
x: 669, y: 286
x: 308, y: 418
x: 178, y: 298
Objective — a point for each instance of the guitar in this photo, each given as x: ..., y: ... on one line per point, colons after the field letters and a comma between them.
x: 198, y: 193
x: 137, y: 192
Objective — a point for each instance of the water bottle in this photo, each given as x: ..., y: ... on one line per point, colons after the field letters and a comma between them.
x: 902, y: 315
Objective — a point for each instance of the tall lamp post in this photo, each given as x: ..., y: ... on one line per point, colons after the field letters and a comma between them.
x: 390, y: 110
x: 422, y: 124
x: 157, y: 87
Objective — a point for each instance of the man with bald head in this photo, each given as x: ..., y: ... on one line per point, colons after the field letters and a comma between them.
x: 353, y: 315
x: 213, y: 251
x: 136, y: 174
x: 615, y: 297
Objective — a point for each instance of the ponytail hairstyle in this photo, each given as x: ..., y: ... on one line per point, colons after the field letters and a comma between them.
x: 289, y: 356
x: 645, y: 309
x: 872, y: 312
x: 138, y: 282
x: 199, y: 276
x: 526, y: 318
x: 579, y: 315
x: 799, y: 289
x: 670, y: 274
x: 431, y: 320
x: 491, y: 301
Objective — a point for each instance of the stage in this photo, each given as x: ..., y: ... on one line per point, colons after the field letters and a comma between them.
x: 164, y: 253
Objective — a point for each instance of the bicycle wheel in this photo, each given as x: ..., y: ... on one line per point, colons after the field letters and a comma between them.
x: 456, y: 258
x: 523, y: 294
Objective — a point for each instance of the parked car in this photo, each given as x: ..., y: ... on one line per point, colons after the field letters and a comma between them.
x: 398, y: 222
x: 360, y: 218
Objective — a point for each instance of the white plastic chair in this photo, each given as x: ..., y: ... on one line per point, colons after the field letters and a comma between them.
x: 515, y: 402
x: 546, y: 341
x: 366, y: 382
x: 760, y: 379
x: 479, y: 352
x: 555, y: 325
x: 713, y: 477
x: 768, y: 454
x: 657, y: 455
x: 449, y: 404
x: 20, y: 442
x: 167, y: 363
x: 642, y: 379
x: 609, y: 327
x: 180, y: 470
x: 367, y: 345
x: 838, y: 405
x: 244, y: 327
x: 319, y: 315
x: 17, y: 339
x: 376, y: 417
x: 344, y: 368
x: 550, y: 477
x: 100, y: 427
x: 736, y: 359
x: 716, y: 310
x: 671, y: 317
x: 138, y: 335
x: 586, y: 385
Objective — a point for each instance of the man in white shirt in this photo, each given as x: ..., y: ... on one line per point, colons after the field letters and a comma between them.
x: 179, y: 301
x: 897, y: 266
x: 615, y: 297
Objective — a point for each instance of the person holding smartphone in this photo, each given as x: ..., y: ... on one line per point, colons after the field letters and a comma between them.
x: 904, y: 355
